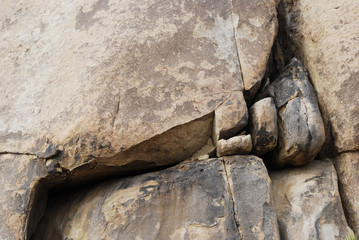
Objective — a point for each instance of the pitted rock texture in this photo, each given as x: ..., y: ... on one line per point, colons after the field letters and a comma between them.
x: 96, y: 78
x: 234, y: 146
x: 263, y: 124
x: 308, y: 204
x: 255, y: 22
x: 198, y: 200
x: 347, y: 166
x: 325, y: 36
x: 300, y: 126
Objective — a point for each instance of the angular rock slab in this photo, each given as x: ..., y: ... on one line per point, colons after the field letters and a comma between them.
x: 255, y: 23
x: 230, y: 117
x: 189, y: 201
x: 263, y: 125
x: 21, y: 202
x: 300, y: 126
x: 325, y: 35
x: 347, y: 166
x: 252, y: 197
x: 308, y: 204
x: 96, y: 78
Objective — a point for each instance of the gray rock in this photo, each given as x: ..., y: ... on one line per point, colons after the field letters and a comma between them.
x: 263, y: 125
x: 210, y: 199
x: 234, y: 146
x: 308, y: 204
x: 300, y: 125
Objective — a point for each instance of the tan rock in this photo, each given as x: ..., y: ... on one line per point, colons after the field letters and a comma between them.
x: 98, y: 78
x: 230, y: 117
x: 255, y: 24
x: 325, y: 35
x: 308, y: 204
x: 21, y: 197
x: 347, y: 166
x: 234, y: 146
x: 177, y: 203
x: 300, y: 126
x: 263, y: 124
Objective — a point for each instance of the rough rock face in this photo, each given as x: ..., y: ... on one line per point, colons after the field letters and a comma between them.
x: 325, y: 35
x: 347, y: 165
x: 200, y: 200
x: 20, y: 200
x: 230, y: 117
x: 234, y: 146
x: 263, y: 124
x: 255, y: 22
x: 300, y: 125
x: 96, y: 78
x: 308, y: 204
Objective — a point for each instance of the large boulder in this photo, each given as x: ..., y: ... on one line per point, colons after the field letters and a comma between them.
x: 210, y: 199
x: 308, y: 204
x: 324, y: 34
x: 347, y: 166
x: 300, y: 126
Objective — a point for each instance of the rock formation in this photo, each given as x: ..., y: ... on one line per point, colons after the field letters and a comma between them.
x: 174, y: 101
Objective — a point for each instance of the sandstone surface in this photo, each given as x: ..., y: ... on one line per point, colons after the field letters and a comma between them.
x: 263, y: 125
x: 209, y: 199
x: 347, y: 166
x: 97, y: 78
x: 308, y: 204
x: 234, y: 146
x: 256, y: 23
x: 300, y: 125
x: 325, y: 36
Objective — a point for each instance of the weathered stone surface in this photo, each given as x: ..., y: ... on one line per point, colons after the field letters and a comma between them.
x: 255, y: 23
x: 234, y: 146
x: 252, y: 197
x: 300, y: 125
x: 97, y: 78
x: 20, y: 195
x: 325, y: 36
x: 308, y: 204
x: 263, y: 124
x: 198, y: 200
x: 230, y: 117
x: 347, y: 166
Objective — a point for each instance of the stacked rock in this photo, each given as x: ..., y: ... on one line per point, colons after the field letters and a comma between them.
x: 285, y: 120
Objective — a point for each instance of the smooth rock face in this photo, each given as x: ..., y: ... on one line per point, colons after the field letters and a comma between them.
x: 263, y: 124
x: 300, y: 125
x: 255, y: 22
x: 96, y: 78
x: 325, y: 35
x: 230, y: 117
x: 234, y: 146
x: 308, y: 204
x: 347, y: 166
x: 198, y: 200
